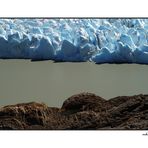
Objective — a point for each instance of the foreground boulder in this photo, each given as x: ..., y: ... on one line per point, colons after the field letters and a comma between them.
x: 85, y: 111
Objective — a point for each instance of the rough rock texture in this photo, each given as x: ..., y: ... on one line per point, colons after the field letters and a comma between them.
x: 85, y: 111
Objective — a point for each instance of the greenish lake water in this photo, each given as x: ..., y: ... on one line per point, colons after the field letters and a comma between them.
x: 51, y: 83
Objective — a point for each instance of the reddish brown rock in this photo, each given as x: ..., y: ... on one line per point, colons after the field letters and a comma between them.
x: 85, y: 111
x: 83, y: 101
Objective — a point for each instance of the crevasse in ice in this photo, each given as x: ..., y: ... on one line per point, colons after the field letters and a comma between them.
x: 97, y: 40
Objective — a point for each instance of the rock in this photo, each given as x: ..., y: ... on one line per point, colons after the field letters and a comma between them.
x: 84, y: 111
x: 83, y: 102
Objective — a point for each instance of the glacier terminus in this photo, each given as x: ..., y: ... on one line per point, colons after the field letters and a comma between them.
x: 109, y: 40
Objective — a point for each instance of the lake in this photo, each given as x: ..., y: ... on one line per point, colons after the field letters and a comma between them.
x: 51, y: 83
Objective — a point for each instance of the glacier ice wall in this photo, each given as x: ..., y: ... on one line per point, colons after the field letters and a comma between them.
x: 97, y: 40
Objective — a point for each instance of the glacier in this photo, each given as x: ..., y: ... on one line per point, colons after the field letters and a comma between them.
x: 109, y: 40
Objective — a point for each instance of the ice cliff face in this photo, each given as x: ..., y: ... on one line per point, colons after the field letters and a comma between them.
x: 97, y: 40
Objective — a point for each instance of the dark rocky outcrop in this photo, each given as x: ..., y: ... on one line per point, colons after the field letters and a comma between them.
x: 85, y: 111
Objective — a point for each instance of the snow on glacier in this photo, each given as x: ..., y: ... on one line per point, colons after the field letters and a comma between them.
x: 75, y: 40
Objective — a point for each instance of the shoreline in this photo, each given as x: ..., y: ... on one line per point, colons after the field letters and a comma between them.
x: 84, y: 111
x: 75, y: 62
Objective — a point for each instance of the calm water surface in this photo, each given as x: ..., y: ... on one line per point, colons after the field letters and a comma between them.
x: 52, y: 83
